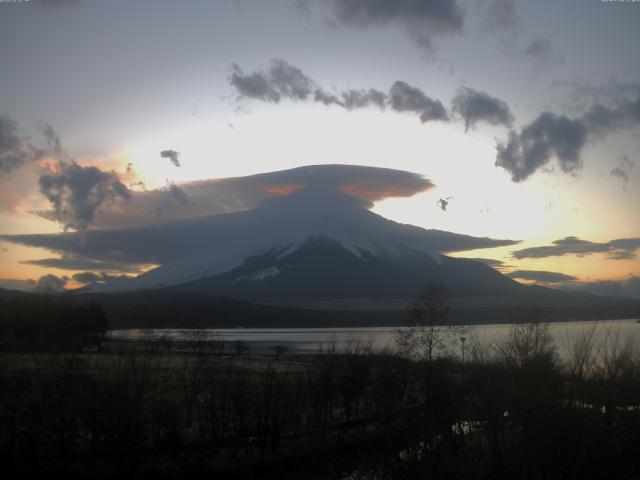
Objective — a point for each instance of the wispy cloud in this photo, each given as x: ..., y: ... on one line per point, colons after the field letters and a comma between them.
x: 622, y: 248
x: 542, y: 276
x: 75, y: 262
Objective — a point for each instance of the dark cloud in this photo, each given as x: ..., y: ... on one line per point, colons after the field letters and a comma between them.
x: 279, y: 80
x: 474, y: 106
x: 289, y: 81
x: 326, y: 98
x: 253, y: 85
x: 602, y: 120
x: 551, y: 135
x: 78, y: 193
x: 623, y: 248
x: 14, y: 152
x: 547, y: 136
x: 542, y: 276
x: 352, y: 99
x: 405, y: 98
x: 85, y: 277
x: 443, y: 203
x: 50, y: 284
x: 172, y: 155
x: 282, y: 80
x: 75, y: 262
x: 421, y: 19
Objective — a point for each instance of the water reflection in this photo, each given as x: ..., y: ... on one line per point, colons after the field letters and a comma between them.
x: 309, y: 340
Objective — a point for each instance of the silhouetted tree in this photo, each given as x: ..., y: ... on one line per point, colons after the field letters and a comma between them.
x: 424, y: 332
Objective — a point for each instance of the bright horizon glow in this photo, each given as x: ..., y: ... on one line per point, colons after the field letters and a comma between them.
x: 483, y: 200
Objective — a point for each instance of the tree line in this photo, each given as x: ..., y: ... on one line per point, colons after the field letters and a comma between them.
x: 44, y: 322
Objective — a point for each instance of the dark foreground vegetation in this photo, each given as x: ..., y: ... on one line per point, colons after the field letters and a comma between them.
x: 45, y: 323
x: 511, y: 410
x: 440, y: 405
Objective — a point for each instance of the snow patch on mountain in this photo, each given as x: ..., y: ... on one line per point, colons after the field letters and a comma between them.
x: 259, y: 275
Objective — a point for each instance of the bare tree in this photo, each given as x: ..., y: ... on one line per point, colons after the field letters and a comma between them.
x: 526, y: 343
x: 426, y: 332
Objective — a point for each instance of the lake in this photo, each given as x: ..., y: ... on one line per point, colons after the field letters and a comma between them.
x: 310, y: 340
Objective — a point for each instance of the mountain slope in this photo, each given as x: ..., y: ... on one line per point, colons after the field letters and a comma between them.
x: 309, y: 222
x: 335, y: 245
x: 322, y: 268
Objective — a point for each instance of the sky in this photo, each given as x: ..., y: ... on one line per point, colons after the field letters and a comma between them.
x: 523, y: 116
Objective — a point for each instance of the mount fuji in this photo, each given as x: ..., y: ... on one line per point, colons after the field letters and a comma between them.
x: 316, y: 240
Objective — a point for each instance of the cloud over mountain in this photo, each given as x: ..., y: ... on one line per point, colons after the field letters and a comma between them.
x: 209, y: 197
x: 289, y: 207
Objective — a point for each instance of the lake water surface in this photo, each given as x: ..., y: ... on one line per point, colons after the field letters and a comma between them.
x: 310, y: 340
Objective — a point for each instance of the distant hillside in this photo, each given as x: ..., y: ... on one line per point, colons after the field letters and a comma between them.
x: 167, y: 308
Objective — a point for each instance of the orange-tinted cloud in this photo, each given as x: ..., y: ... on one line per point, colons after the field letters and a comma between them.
x: 283, y: 189
x: 210, y: 197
